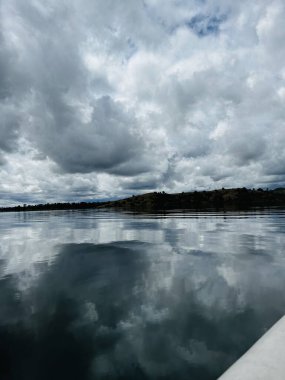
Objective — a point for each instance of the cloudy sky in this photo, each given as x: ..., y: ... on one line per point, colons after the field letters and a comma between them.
x: 107, y: 98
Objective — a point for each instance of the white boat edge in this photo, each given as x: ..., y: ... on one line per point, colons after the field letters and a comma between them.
x: 265, y: 360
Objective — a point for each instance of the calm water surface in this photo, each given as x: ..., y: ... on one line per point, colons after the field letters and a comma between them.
x: 100, y: 295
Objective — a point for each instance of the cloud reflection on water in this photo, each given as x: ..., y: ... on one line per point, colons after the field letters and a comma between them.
x: 93, y: 295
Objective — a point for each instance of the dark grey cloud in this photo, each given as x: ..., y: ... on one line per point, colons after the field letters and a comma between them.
x: 56, y: 83
x: 141, y: 185
x: 103, y: 143
x: 10, y: 118
x: 9, y: 128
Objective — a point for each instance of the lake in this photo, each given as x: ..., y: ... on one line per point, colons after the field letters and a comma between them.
x: 107, y: 295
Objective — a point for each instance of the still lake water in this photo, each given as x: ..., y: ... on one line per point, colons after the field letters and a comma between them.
x: 103, y: 295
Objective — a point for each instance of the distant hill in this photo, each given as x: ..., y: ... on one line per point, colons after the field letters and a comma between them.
x: 238, y: 198
x: 226, y: 199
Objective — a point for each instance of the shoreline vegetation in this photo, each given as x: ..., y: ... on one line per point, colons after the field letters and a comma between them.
x: 222, y: 199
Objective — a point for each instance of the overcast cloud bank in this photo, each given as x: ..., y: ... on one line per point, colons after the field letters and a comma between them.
x: 107, y: 98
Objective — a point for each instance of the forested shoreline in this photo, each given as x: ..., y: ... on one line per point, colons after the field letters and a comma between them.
x: 226, y: 199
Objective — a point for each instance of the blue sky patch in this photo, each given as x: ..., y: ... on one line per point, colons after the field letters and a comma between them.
x: 204, y: 25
